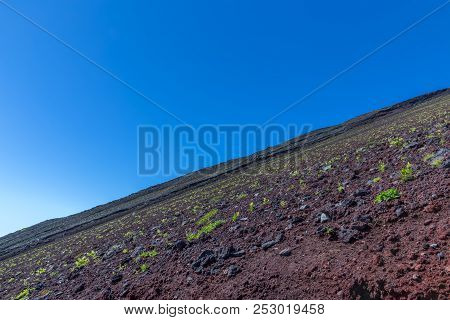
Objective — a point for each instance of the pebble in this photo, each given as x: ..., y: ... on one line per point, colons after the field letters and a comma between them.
x: 286, y: 252
x: 233, y: 270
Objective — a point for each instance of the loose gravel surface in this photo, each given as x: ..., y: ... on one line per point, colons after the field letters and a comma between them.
x: 363, y: 214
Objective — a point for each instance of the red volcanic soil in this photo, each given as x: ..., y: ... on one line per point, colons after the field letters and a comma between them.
x: 312, y: 223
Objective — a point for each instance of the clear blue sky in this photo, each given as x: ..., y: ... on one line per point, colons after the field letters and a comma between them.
x: 68, y: 131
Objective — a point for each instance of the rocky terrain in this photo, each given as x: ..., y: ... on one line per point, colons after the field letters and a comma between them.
x: 355, y: 211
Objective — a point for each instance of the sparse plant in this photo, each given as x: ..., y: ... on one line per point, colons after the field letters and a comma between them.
x: 436, y: 163
x: 376, y: 179
x: 381, y: 166
x: 81, y: 262
x: 427, y: 157
x: 406, y: 173
x: 40, y: 271
x: 147, y: 254
x: 329, y: 231
x: 340, y: 188
x: 23, y: 295
x: 387, y: 195
x: 283, y: 204
x: 205, y: 230
x: 143, y: 267
x: 251, y: 207
x: 235, y: 217
x: 397, y: 142
x: 207, y: 217
x: 265, y: 201
x: 242, y: 196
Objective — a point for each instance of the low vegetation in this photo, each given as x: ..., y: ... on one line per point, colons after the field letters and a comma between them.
x: 387, y: 195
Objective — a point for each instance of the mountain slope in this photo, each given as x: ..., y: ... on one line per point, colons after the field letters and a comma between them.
x: 308, y: 225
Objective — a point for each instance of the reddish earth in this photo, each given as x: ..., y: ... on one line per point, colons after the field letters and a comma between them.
x: 309, y: 227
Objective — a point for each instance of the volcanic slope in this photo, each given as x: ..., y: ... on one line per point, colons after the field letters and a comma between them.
x: 358, y: 211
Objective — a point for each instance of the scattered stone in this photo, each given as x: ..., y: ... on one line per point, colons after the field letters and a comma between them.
x: 296, y: 220
x: 304, y: 207
x: 116, y: 278
x: 440, y: 255
x: 137, y: 251
x: 416, y: 277
x: 324, y: 217
x: 347, y: 235
x: 400, y: 212
x: 361, y: 193
x: 180, y: 245
x: 112, y: 251
x: 286, y: 252
x: 433, y: 245
x: 233, y: 270
x: 80, y: 288
x: 279, y: 237
x: 205, y: 259
x: 268, y: 244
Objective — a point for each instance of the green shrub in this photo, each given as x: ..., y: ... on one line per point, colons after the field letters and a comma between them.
x: 205, y: 230
x: 387, y: 195
x: 147, y: 254
x: 428, y: 156
x: 23, y: 295
x: 406, y: 173
x: 40, y: 271
x: 143, y: 267
x: 376, y: 180
x: 397, y: 142
x: 340, y: 188
x: 207, y: 217
x: 381, y: 167
x: 283, y: 204
x: 251, y: 207
x: 265, y: 201
x: 436, y: 163
x: 242, y: 196
x: 81, y: 262
x: 235, y: 217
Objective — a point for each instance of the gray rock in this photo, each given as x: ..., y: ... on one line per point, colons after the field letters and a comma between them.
x: 116, y: 278
x: 233, y: 270
x: 324, y: 217
x: 137, y: 251
x: 112, y: 251
x: 304, y: 207
x: 286, y: 252
x: 268, y: 244
x: 361, y: 192
x: 180, y: 245
x: 400, y: 212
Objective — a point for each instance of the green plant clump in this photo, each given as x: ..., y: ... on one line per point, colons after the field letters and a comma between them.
x: 23, y: 295
x: 387, y: 195
x: 235, y: 217
x: 144, y: 267
x: 406, y: 174
x: 207, y: 217
x: 340, y: 188
x: 40, y: 271
x: 251, y: 207
x: 147, y: 254
x: 397, y: 142
x: 205, y: 230
x: 381, y: 167
x: 436, y: 163
x: 376, y: 180
x: 81, y: 262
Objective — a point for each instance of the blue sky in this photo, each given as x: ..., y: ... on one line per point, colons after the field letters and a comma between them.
x: 68, y: 132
